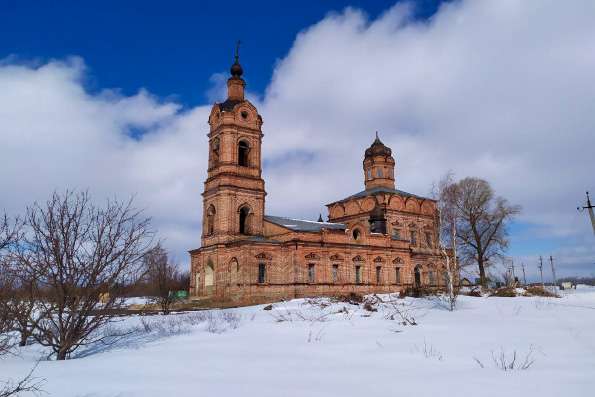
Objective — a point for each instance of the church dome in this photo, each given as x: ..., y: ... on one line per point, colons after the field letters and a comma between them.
x: 378, y: 149
x: 236, y: 69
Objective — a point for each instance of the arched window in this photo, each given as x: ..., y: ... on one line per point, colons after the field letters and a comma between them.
x: 397, y: 275
x: 311, y: 273
x: 243, y: 150
x: 262, y: 273
x: 335, y: 273
x: 244, y: 213
x: 234, y: 269
x: 211, y: 220
x: 413, y: 236
x: 358, y: 274
x: 429, y: 239
x: 379, y: 172
x: 356, y: 234
x: 369, y: 173
x: 431, y: 277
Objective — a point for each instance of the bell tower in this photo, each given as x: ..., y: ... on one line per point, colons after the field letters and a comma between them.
x: 234, y: 195
x: 379, y: 166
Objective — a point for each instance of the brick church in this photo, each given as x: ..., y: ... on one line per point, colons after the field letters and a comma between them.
x: 376, y: 241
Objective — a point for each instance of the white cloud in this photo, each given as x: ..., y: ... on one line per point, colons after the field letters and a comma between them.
x: 57, y: 136
x: 497, y: 89
x: 500, y: 90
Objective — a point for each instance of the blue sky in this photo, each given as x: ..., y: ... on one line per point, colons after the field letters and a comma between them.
x: 169, y: 48
x: 465, y: 87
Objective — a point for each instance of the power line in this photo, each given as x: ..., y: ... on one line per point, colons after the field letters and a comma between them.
x: 589, y: 207
x: 524, y: 277
x: 553, y: 270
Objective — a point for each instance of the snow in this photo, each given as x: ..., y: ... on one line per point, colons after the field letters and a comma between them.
x: 316, y: 351
x: 137, y: 300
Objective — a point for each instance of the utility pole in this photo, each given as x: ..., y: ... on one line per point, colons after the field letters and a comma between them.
x: 541, y: 271
x: 512, y: 265
x: 524, y: 277
x: 553, y: 271
x: 589, y: 207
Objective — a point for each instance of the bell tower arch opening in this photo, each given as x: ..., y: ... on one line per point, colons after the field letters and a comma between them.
x: 243, y: 151
x: 244, y: 216
x: 211, y: 212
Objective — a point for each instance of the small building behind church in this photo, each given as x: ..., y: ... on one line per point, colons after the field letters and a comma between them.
x: 379, y: 240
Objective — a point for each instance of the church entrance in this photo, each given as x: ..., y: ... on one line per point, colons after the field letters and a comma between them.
x: 417, y: 277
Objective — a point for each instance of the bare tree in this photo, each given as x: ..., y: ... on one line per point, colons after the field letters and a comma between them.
x: 6, y: 318
x: 22, y: 304
x: 29, y: 384
x: 447, y: 220
x: 80, y: 255
x: 10, y: 236
x: 163, y: 276
x: 481, y: 222
x: 10, y: 233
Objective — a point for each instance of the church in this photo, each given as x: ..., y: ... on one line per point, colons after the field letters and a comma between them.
x: 379, y: 240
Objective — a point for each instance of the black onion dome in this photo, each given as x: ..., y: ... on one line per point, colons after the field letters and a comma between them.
x: 378, y: 149
x: 236, y: 69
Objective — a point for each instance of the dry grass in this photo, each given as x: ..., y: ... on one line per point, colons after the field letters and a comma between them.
x: 540, y: 291
x: 504, y: 292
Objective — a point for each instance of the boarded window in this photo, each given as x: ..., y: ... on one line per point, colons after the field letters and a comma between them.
x: 413, y: 234
x: 429, y: 239
x: 431, y: 277
x: 262, y: 273
x: 335, y: 273
x: 311, y: 273
x: 358, y: 274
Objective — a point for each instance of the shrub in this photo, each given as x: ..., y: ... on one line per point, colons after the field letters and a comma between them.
x: 475, y: 292
x: 352, y: 298
x: 504, y: 292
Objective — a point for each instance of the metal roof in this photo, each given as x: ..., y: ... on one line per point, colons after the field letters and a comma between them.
x: 228, y: 105
x: 381, y: 189
x: 300, y: 225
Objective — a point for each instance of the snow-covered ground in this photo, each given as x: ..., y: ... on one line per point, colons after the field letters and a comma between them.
x: 309, y: 349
